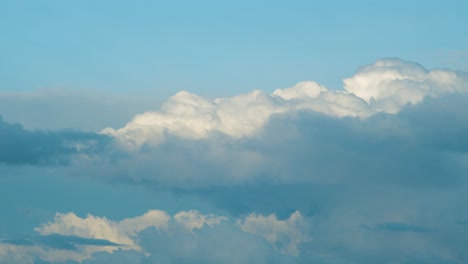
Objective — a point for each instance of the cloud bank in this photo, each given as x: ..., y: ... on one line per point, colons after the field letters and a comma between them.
x: 20, y: 146
x: 373, y: 173
x: 385, y: 86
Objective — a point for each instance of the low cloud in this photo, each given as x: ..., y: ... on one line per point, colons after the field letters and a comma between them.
x: 421, y: 146
x: 72, y: 238
x: 284, y: 235
x: 377, y: 171
x: 21, y: 146
x: 56, y: 241
x: 385, y: 86
x: 401, y: 227
x: 121, y: 232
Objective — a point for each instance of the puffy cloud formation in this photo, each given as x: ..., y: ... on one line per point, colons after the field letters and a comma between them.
x: 384, y: 86
x: 101, y: 228
x: 389, y: 84
x: 284, y: 235
x: 377, y: 171
x: 69, y: 237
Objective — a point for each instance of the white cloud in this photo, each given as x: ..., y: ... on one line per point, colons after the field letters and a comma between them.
x: 399, y: 165
x: 384, y: 86
x: 193, y: 219
x: 28, y: 253
x: 389, y: 84
x: 284, y: 235
x: 153, y: 218
x: 99, y: 234
x: 121, y: 232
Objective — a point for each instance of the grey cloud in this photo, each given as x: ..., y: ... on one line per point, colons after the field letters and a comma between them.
x: 462, y: 222
x: 220, y: 245
x: 57, y: 241
x: 402, y: 227
x: 21, y: 146
x: 342, y: 173
x: 214, y: 239
x: 117, y: 257
x: 423, y: 146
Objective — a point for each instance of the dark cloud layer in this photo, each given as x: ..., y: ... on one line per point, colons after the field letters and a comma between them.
x: 20, y: 146
x: 57, y: 241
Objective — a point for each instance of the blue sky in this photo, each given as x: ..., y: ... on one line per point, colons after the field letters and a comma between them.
x: 233, y: 132
x: 216, y: 48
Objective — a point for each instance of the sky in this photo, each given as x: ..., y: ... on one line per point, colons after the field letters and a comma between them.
x: 233, y: 132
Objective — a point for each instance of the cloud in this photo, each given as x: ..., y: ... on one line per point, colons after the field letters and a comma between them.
x: 385, y: 86
x: 401, y: 227
x: 394, y: 122
x: 377, y: 171
x: 389, y: 84
x: 410, y: 148
x: 21, y: 146
x: 56, y: 241
x: 69, y: 237
x: 284, y: 235
x: 195, y: 220
x: 121, y: 232
x: 389, y: 152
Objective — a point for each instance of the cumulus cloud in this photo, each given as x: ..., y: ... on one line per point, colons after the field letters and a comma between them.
x: 384, y: 86
x: 394, y: 121
x: 391, y: 83
x: 410, y: 148
x: 121, y: 232
x: 377, y: 171
x: 69, y: 237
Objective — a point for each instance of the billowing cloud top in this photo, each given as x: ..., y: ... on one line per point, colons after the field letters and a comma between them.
x: 384, y: 86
